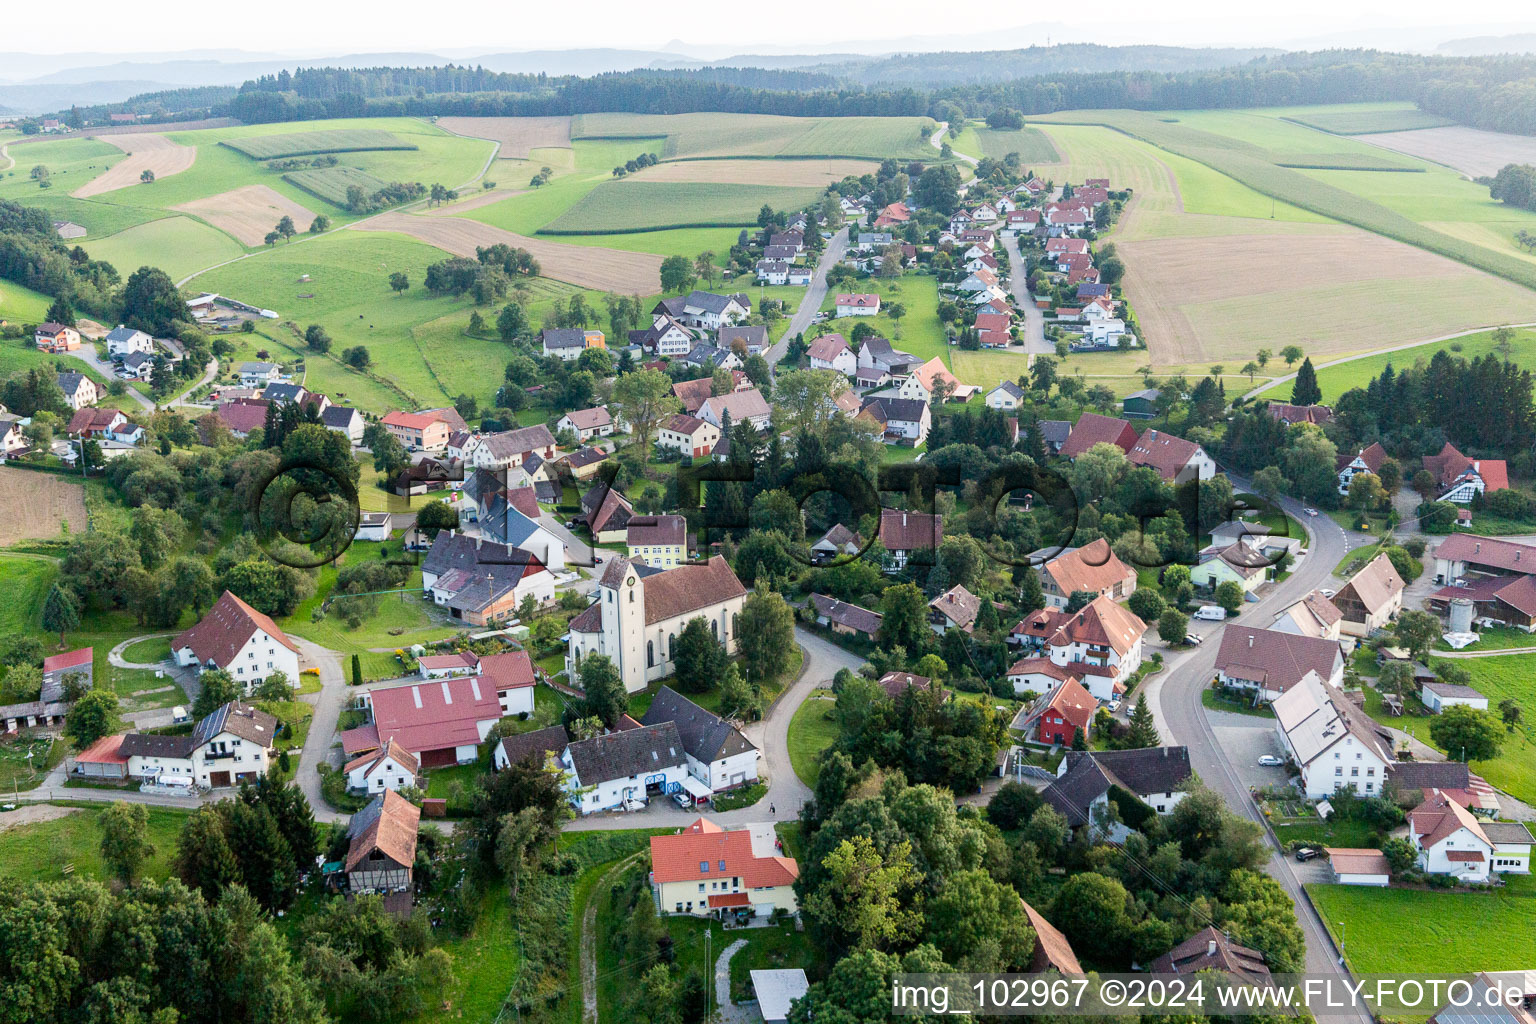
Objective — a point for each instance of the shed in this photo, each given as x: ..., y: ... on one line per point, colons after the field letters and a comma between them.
x: 1358, y: 866
x: 777, y: 992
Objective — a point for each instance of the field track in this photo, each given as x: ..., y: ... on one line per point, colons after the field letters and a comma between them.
x: 627, y: 273
x: 816, y: 173
x: 1471, y: 151
x: 518, y: 136
x: 148, y: 151
x: 249, y: 212
x: 33, y: 505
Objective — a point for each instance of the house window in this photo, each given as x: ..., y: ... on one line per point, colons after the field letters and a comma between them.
x: 650, y: 654
x: 1338, y: 772
x: 701, y: 887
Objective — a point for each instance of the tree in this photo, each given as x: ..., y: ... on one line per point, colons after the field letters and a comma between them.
x: 1291, y: 353
x: 272, y: 238
x: 1172, y: 626
x: 866, y: 895
x: 274, y: 686
x: 643, y: 398
x: 1305, y: 391
x: 285, y: 227
x: 357, y: 670
x: 92, y: 717
x: 699, y: 658
x: 61, y: 611
x: 436, y: 516
x: 60, y: 312
x: 204, y: 861
x: 1366, y: 492
x: 1143, y: 727
x: 1031, y: 593
x: 1425, y: 483
x: 1229, y: 595
x: 399, y: 282
x: 979, y: 922
x: 317, y: 339
x: 1263, y: 356
x: 1092, y: 912
x: 904, y: 618
x: 517, y: 844
x: 146, y: 176
x: 676, y: 273
x: 1466, y: 733
x: 1400, y: 853
x: 1417, y: 631
x: 737, y: 698
x: 704, y: 266
x: 322, y: 224
x: 1510, y: 712
x: 765, y: 634
x: 511, y: 322
x: 1012, y: 805
x: 1250, y: 368
x: 125, y: 839
x: 605, y: 696
x: 1147, y: 603
x: 1269, y: 483
x: 218, y: 688
x: 1396, y: 677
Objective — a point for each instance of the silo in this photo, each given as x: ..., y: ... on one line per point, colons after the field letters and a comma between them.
x: 1461, y: 615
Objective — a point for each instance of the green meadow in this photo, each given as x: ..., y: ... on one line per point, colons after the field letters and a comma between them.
x: 631, y: 206
x: 346, y: 140
x: 21, y: 303
x: 705, y: 135
x: 1032, y: 145
x: 177, y: 245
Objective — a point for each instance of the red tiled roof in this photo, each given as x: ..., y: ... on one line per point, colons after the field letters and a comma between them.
x: 1488, y: 552
x: 1163, y: 452
x: 392, y: 833
x: 1073, y: 703
x: 104, y: 751
x: 435, y: 713
x: 221, y: 633
x: 355, y: 741
x: 1092, y: 567
x: 525, y: 500
x: 676, y: 858
x: 861, y: 300
x: 1052, y: 950
x: 729, y: 899
x: 1042, y: 666
x: 693, y: 393
x: 1104, y: 623
x: 508, y: 670
x: 1092, y: 429
x: 827, y: 347
x: 910, y: 531
x: 689, y: 587
x: 242, y: 417
x: 1450, y: 467
x: 69, y: 659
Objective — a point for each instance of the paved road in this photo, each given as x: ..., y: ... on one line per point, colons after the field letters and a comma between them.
x: 86, y: 353
x: 786, y: 793
x: 333, y: 696
x: 937, y: 141
x: 1175, y: 699
x: 815, y: 294
x: 1018, y: 283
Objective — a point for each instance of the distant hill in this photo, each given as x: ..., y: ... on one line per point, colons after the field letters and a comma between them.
x: 960, y: 67
x: 1484, y: 46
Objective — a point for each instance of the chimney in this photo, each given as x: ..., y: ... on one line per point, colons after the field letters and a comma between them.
x: 1210, y: 947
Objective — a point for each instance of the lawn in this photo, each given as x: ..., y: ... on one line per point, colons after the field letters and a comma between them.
x: 811, y: 731
x: 41, y: 852
x: 1336, y: 378
x: 777, y: 947
x: 18, y: 772
x: 1495, y: 638
x: 640, y: 702
x: 70, y: 163
x: 177, y: 245
x: 622, y: 206
x: 25, y: 580
x: 1426, y: 933
x: 148, y: 652
x: 484, y: 961
x: 1212, y: 700
x: 919, y: 331
x: 1316, y: 832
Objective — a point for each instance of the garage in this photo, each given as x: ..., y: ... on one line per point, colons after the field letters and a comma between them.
x: 1359, y: 866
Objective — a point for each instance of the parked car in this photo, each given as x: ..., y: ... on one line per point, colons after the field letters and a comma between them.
x: 682, y: 800
x: 1327, y: 593
x: 1193, y: 639
x: 1306, y: 853
x: 1270, y: 761
x: 1309, y: 511
x: 1114, y: 706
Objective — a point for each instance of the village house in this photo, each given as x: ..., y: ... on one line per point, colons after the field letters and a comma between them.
x: 1268, y: 662
x: 690, y: 435
x: 857, y: 304
x: 1437, y: 696
x: 1155, y: 776
x: 1092, y: 429
x: 242, y: 416
x: 1458, y: 478
x: 1038, y: 674
x: 1092, y: 568
x: 346, y: 421
x: 1372, y: 597
x: 540, y: 747
x: 484, y: 581
x: 570, y: 342
x: 1449, y: 840
x: 844, y: 618
x: 417, y: 432
x: 772, y: 272
x: 1211, y: 949
x: 1236, y: 563
x: 926, y: 381
x: 1333, y: 742
x: 708, y: 871
x: 509, y: 673
x: 956, y: 608
x: 381, y: 848
x: 1314, y: 615
x: 1102, y: 642
x: 1007, y: 396
x: 439, y: 721
x: 587, y: 423
x: 1052, y: 950
x: 79, y: 390
x: 719, y: 756
x: 706, y: 309
x: 895, y: 213
x: 124, y: 341
x: 831, y: 352
x: 905, y: 534
x: 1175, y: 459
x: 508, y: 448
x: 994, y: 330
x: 1058, y: 716
x: 1367, y: 460
x: 1290, y: 415
x: 661, y: 542
x: 621, y: 770
x: 389, y: 767
x: 901, y: 421
x: 259, y: 374
x: 607, y: 513
x: 1462, y: 553
x: 584, y: 463
x: 747, y: 406
x: 877, y: 353
x: 665, y: 337
x: 230, y: 746
x: 636, y: 617
x: 743, y: 339
x: 237, y: 638
x: 52, y: 337
x: 693, y: 393
x: 108, y: 424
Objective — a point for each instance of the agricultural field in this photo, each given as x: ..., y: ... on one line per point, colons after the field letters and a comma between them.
x: 1033, y: 146
x: 1369, y: 119
x: 331, y: 183
x: 35, y: 506
x: 71, y: 164
x: 1452, y: 932
x: 148, y: 152
x: 177, y: 245
x: 704, y: 135
x: 1471, y: 151
x: 519, y: 136
x: 791, y: 173
x: 632, y: 206
x: 249, y: 212
x: 345, y: 140
x: 1357, y: 373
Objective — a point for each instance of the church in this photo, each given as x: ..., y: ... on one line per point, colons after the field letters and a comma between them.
x: 640, y: 612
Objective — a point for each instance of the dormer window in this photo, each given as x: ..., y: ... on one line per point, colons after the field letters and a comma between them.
x: 703, y: 867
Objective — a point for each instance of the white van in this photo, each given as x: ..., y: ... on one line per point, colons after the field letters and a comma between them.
x: 1211, y: 613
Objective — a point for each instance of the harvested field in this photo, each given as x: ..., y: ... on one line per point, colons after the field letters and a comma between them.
x: 518, y: 135
x: 33, y: 505
x: 1335, y: 289
x: 249, y: 212
x: 147, y: 152
x: 817, y: 173
x: 628, y: 273
x: 1471, y: 151
x: 329, y: 140
x: 474, y: 202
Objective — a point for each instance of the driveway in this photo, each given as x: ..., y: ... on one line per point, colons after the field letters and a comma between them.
x: 815, y: 294
x: 333, y: 696
x: 1018, y: 283
x: 86, y: 353
x: 786, y: 793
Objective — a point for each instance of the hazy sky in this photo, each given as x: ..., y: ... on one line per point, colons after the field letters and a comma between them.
x: 302, y: 27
